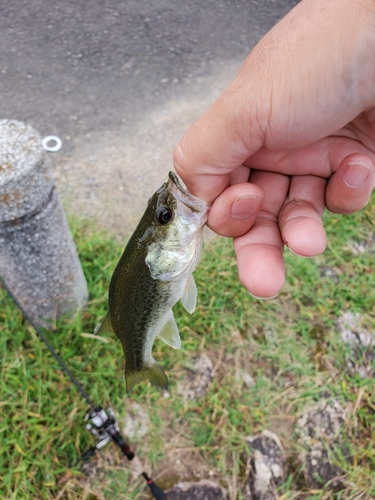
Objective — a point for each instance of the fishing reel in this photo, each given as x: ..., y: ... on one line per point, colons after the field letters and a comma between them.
x: 104, y: 427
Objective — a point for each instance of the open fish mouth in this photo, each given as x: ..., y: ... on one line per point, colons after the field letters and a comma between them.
x: 198, y: 208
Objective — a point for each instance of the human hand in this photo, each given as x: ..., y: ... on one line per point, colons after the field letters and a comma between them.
x: 293, y: 133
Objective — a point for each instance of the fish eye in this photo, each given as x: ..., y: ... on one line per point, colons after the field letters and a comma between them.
x: 164, y: 215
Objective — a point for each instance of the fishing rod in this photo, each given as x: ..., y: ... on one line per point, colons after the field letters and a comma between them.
x: 101, y: 424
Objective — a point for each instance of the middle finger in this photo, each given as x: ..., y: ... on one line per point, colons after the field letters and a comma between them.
x: 260, y: 251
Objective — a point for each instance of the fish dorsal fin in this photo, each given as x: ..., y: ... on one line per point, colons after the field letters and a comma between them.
x: 105, y: 327
x: 169, y: 333
x: 189, y: 296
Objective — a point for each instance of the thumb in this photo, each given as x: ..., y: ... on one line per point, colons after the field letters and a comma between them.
x: 217, y: 144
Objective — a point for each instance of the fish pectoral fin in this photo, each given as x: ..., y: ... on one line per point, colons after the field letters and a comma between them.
x: 169, y: 333
x: 154, y: 373
x: 106, y: 326
x: 189, y: 296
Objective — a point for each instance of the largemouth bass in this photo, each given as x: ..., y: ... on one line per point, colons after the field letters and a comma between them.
x: 153, y: 273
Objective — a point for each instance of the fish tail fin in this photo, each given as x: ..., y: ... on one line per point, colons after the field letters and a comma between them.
x: 154, y: 373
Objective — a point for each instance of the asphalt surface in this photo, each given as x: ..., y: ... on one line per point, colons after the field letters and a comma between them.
x: 119, y: 82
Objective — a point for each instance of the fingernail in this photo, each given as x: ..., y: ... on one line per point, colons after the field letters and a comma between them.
x: 295, y: 253
x: 355, y: 174
x: 264, y: 298
x: 299, y: 254
x: 245, y: 207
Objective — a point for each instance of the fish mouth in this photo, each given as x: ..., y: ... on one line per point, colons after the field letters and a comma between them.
x: 182, y: 195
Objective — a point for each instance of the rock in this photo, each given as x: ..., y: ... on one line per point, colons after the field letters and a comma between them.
x: 319, y: 433
x: 198, y: 378
x: 363, y: 246
x: 203, y: 490
x: 268, y: 468
x: 330, y: 273
x: 244, y: 377
x: 136, y: 423
x: 361, y: 338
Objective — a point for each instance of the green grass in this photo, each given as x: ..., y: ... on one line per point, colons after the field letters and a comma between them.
x: 290, y: 346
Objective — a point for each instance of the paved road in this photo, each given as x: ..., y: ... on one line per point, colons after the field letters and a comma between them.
x: 119, y: 82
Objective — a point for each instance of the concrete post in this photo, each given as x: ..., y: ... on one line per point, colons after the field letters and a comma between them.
x: 38, y: 258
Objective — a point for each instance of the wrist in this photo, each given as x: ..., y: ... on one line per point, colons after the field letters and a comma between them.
x: 314, y: 69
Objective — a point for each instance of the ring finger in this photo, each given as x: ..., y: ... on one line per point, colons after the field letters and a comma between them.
x: 300, y: 219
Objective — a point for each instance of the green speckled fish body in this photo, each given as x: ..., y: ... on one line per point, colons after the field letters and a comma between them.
x: 154, y: 272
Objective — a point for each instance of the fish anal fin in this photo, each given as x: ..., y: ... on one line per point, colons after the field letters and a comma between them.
x: 189, y: 296
x: 106, y: 326
x: 169, y: 332
x: 154, y: 373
